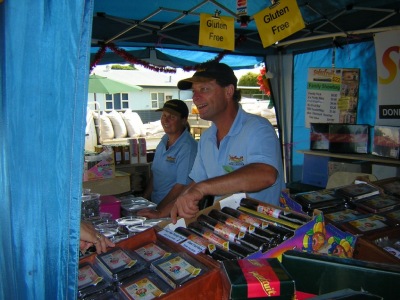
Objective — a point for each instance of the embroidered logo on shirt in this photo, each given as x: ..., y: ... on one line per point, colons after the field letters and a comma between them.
x: 228, y: 169
x: 171, y: 159
x: 235, y: 160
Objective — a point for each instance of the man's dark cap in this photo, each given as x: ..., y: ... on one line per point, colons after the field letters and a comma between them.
x: 208, y: 72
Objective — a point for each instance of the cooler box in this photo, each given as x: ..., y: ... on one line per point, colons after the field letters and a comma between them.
x: 112, y: 205
x: 319, y: 274
x: 353, y: 166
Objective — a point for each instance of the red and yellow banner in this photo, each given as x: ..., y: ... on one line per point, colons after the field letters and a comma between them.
x: 387, y: 49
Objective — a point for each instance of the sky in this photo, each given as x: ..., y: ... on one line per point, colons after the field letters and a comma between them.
x: 182, y: 74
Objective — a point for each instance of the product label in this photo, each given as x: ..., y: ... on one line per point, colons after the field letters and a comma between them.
x: 393, y: 251
x: 270, y: 211
x: 193, y: 247
x: 178, y: 268
x: 262, y: 278
x: 250, y: 219
x: 87, y: 276
x: 143, y: 289
x: 172, y: 236
x: 150, y: 252
x: 236, y: 223
x: 226, y: 232
x: 118, y: 259
x: 216, y: 239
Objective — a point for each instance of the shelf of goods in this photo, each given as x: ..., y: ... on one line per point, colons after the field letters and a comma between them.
x: 348, y: 156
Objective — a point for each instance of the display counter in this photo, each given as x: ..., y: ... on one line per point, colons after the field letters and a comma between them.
x: 313, y: 240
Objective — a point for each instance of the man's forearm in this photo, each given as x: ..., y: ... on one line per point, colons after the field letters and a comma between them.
x: 250, y: 178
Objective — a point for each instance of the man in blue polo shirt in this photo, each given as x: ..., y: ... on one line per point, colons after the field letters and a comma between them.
x: 172, y: 161
x: 240, y: 152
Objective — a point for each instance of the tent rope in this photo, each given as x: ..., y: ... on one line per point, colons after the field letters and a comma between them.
x: 134, y: 60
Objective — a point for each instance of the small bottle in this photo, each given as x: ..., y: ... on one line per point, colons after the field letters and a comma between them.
x: 283, y: 233
x: 243, y: 226
x: 239, y: 250
x: 234, y: 234
x: 269, y: 210
x: 212, y: 249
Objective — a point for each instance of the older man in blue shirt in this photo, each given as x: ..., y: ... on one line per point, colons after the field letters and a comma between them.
x: 239, y: 153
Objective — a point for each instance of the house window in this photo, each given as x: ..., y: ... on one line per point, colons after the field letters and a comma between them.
x: 157, y: 100
x: 117, y: 101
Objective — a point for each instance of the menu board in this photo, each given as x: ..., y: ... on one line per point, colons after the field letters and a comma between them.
x: 332, y: 96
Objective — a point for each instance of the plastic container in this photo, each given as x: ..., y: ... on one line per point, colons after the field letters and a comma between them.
x: 90, y: 205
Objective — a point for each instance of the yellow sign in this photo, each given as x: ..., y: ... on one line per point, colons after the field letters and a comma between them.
x: 278, y: 21
x: 218, y: 32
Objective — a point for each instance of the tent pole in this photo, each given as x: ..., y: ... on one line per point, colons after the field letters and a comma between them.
x: 338, y: 34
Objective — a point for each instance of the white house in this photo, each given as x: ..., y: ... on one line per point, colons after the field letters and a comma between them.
x: 157, y: 87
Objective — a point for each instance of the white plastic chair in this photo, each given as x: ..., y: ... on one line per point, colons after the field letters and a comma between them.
x: 344, y: 178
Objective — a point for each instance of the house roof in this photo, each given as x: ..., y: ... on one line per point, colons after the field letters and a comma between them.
x: 141, y: 77
x: 149, y: 78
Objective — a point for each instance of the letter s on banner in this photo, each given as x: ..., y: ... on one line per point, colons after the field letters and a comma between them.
x: 387, y: 49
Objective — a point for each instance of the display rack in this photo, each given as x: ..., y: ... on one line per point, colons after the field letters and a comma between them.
x: 348, y: 156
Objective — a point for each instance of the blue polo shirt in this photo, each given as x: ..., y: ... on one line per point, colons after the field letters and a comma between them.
x: 251, y: 139
x: 172, y: 166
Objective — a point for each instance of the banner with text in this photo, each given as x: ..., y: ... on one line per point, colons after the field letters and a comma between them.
x: 218, y: 32
x: 332, y: 96
x: 278, y: 21
x: 387, y: 49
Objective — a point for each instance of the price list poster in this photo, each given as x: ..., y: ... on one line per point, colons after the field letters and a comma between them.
x: 332, y: 96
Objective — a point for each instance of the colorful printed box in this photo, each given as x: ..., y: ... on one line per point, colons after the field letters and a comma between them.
x: 258, y: 278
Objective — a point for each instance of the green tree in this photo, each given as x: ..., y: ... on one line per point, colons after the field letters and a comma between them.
x: 123, y: 67
x: 250, y: 79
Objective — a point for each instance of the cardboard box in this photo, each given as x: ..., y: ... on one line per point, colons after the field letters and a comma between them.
x: 117, y: 154
x: 258, y: 278
x: 315, y: 170
x: 319, y: 136
x: 206, y: 286
x: 142, y: 150
x: 367, y: 250
x: 99, y: 166
x: 119, y: 184
x: 348, y: 138
x: 134, y: 151
x: 385, y: 171
x: 314, y: 236
x: 386, y: 141
x: 140, y: 175
x: 320, y: 274
x: 354, y: 167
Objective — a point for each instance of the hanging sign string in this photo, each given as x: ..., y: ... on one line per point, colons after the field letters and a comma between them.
x: 133, y: 60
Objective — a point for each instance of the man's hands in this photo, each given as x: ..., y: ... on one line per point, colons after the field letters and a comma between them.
x: 186, y: 205
x: 89, y: 236
x: 149, y: 213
